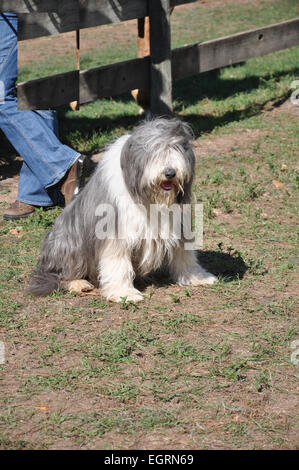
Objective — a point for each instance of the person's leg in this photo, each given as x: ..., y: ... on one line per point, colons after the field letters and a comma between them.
x: 46, y: 159
x: 35, y: 192
x: 32, y: 133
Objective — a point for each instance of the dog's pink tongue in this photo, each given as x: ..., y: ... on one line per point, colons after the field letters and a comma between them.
x: 167, y: 185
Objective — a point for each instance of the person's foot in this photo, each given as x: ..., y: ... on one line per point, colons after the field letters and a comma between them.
x: 18, y: 210
x: 74, y: 180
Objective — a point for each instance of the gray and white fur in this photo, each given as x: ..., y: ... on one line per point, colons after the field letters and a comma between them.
x: 154, y: 166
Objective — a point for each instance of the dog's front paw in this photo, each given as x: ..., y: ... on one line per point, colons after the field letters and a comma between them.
x: 125, y: 295
x: 197, y: 279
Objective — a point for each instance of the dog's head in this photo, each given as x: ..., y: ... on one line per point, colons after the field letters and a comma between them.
x: 158, y: 162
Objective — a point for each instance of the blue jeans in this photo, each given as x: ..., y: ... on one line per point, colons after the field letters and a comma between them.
x: 34, y: 134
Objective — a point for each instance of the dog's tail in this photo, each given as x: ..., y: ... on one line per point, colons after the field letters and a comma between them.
x: 43, y: 283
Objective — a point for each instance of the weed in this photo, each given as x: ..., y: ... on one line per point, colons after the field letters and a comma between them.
x: 262, y: 380
x: 175, y: 298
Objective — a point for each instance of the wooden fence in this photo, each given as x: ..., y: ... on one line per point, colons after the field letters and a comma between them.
x: 46, y: 17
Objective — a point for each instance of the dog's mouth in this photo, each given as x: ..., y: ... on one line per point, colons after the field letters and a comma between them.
x: 167, y: 185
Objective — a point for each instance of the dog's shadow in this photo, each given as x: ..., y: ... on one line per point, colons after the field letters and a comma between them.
x: 227, y: 267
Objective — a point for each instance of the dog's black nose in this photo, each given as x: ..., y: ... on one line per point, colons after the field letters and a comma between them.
x: 170, y: 173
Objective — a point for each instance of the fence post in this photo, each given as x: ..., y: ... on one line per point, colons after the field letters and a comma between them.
x: 160, y: 75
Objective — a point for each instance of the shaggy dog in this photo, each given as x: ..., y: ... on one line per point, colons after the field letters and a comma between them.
x: 139, y: 176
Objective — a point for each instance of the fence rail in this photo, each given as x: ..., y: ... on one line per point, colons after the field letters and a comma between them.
x: 48, y: 17
x: 155, y: 72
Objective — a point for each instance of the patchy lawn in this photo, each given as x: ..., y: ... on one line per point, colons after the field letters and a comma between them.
x: 190, y: 368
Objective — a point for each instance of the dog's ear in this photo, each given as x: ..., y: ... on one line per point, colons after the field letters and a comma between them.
x: 130, y: 165
x: 125, y: 152
x: 186, y: 196
x: 183, y: 129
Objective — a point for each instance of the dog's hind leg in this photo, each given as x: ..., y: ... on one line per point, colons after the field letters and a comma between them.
x: 78, y: 285
x: 116, y: 274
x: 186, y: 271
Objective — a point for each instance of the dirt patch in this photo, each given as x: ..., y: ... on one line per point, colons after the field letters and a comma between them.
x: 228, y: 144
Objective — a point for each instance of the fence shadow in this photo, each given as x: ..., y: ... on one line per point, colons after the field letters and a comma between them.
x: 212, y: 86
x: 186, y: 92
